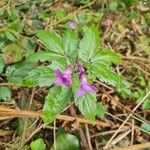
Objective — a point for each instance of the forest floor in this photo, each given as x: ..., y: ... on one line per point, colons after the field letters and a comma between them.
x: 124, y: 26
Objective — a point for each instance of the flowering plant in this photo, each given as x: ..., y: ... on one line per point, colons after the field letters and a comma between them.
x: 75, y: 63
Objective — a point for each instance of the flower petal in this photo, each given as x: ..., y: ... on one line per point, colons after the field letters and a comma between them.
x: 80, y: 92
x: 59, y: 81
x: 63, y: 78
x: 58, y: 73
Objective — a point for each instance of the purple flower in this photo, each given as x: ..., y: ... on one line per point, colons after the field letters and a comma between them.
x: 85, y: 87
x: 72, y: 25
x: 63, y: 78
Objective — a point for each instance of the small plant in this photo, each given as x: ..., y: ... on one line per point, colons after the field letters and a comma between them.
x: 75, y: 64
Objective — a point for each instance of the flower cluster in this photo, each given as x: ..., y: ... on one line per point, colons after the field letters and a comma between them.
x: 64, y: 78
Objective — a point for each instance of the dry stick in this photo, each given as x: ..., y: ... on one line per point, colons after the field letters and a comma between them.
x: 83, y: 140
x: 88, y: 137
x: 120, y: 137
x: 80, y: 130
x: 127, y: 109
x: 6, y: 84
x: 5, y: 118
x: 109, y: 142
x: 132, y: 133
x: 33, y: 133
x: 54, y: 132
x: 108, y: 132
x: 136, y: 58
x: 17, y: 113
x: 135, y: 147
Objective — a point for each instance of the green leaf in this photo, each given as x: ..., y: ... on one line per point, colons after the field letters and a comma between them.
x: 100, y: 110
x: 130, y: 3
x: 106, y: 75
x: 146, y: 126
x: 15, y: 51
x: 66, y: 141
x: 41, y: 76
x: 89, y: 44
x: 10, y: 36
x: 146, y: 104
x: 87, y: 105
x: 38, y: 145
x: 70, y: 43
x: 51, y: 41
x: 16, y: 73
x: 113, y: 6
x: 5, y: 94
x: 105, y: 57
x: 43, y: 56
x: 15, y: 26
x: 56, y: 101
x: 2, y: 64
x: 61, y: 13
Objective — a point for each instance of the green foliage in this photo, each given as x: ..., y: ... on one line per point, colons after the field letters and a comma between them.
x: 145, y: 127
x: 66, y: 141
x: 147, y: 18
x: 16, y: 73
x: 2, y: 64
x: 51, y: 41
x: 138, y: 95
x: 87, y: 105
x: 89, y: 44
x: 61, y: 47
x: 113, y: 5
x: 16, y: 51
x: 43, y: 56
x: 70, y: 43
x: 146, y: 104
x: 56, y: 101
x: 61, y: 13
x: 129, y: 3
x: 38, y: 145
x: 61, y: 52
x: 105, y: 57
x: 134, y: 15
x: 100, y: 110
x: 5, y: 94
x: 41, y: 76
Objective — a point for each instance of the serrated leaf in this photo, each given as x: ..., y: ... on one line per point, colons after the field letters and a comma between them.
x: 87, y: 105
x: 70, y: 43
x: 41, y: 76
x: 5, y: 93
x: 43, y: 56
x: 89, y: 44
x: 2, y: 64
x: 38, y: 145
x: 105, y: 57
x: 106, y: 75
x: 66, y: 141
x: 51, y: 41
x: 56, y: 101
x: 100, y: 110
